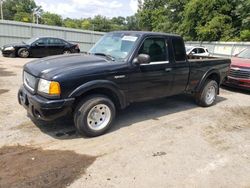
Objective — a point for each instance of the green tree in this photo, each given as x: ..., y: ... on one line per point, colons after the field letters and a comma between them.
x: 19, y: 10
x: 161, y: 15
x: 100, y: 23
x: 132, y: 22
x: 72, y: 23
x: 149, y: 13
x: 51, y: 19
x: 86, y: 24
x: 208, y: 20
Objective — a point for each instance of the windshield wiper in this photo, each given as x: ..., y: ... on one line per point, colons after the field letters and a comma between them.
x: 106, y: 55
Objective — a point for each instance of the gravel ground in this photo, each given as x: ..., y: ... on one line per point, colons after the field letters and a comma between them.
x: 163, y: 143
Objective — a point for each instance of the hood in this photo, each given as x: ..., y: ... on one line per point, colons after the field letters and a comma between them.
x: 240, y: 62
x: 74, y: 64
x: 15, y: 45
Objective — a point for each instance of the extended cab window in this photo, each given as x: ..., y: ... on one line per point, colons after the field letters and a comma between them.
x: 179, y: 50
x: 156, y: 48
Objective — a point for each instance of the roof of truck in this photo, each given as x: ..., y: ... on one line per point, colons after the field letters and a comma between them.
x: 147, y: 33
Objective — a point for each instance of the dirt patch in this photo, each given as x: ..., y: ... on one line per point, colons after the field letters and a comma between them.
x: 18, y: 66
x: 3, y: 91
x: 25, y: 125
x: 234, y: 119
x: 3, y: 73
x: 22, y: 166
x: 159, y: 153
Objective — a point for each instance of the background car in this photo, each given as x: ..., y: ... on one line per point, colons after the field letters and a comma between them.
x: 200, y: 51
x: 40, y: 47
x: 239, y: 74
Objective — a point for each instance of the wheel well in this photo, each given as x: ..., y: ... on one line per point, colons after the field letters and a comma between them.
x: 215, y: 77
x: 101, y: 91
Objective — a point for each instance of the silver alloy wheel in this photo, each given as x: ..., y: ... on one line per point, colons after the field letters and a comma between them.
x: 24, y: 53
x: 66, y: 52
x: 210, y: 95
x: 99, y: 117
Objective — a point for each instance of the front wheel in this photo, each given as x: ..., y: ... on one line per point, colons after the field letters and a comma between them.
x: 207, y: 96
x: 23, y: 53
x: 94, y: 115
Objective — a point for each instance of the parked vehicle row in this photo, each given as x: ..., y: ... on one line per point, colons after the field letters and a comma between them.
x: 239, y: 74
x: 39, y: 47
x: 122, y: 68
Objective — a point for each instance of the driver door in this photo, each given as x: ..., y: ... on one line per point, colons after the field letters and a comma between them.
x: 152, y: 80
x: 40, y: 48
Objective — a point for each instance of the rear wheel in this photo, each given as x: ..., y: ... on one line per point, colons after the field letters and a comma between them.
x: 23, y: 53
x: 207, y: 96
x: 94, y: 115
x: 66, y: 52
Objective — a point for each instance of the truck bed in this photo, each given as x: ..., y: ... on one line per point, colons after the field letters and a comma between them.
x: 200, y: 65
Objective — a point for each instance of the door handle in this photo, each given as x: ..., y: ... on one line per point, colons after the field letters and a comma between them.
x: 168, y: 69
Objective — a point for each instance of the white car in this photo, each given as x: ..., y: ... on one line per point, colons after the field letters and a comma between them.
x: 199, y: 51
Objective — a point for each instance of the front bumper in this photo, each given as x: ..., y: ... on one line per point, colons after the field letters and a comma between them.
x: 8, y: 53
x: 42, y: 108
x: 238, y: 83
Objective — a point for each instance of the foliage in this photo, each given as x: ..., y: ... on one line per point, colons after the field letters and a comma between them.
x: 19, y: 10
x: 194, y: 19
x: 245, y: 35
x: 51, y: 19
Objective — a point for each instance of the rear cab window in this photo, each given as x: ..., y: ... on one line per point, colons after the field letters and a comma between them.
x: 179, y: 50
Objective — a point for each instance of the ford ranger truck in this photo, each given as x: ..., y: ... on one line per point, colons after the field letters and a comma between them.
x: 123, y: 67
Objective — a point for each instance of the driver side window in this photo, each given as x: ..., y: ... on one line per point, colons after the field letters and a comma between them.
x: 42, y: 41
x: 156, y: 48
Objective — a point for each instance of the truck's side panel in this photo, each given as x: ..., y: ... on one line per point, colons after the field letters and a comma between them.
x: 200, y: 69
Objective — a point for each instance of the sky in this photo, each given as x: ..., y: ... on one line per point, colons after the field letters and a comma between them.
x: 89, y: 8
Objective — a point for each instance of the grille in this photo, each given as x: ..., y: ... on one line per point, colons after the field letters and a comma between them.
x: 29, y: 81
x: 239, y: 73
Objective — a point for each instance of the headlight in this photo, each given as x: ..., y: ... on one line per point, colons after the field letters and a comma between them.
x: 9, y: 48
x: 49, y: 87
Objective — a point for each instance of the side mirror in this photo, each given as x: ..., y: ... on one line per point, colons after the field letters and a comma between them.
x: 142, y: 59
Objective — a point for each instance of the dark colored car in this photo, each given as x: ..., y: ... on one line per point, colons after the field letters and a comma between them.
x: 239, y: 74
x: 122, y: 68
x: 39, y: 47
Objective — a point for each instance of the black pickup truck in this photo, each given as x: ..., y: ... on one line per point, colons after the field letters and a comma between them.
x: 122, y: 68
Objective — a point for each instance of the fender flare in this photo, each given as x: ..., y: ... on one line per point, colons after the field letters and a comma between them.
x: 205, y: 76
x: 99, y: 84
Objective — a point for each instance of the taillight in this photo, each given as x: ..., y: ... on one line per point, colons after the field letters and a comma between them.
x: 77, y: 46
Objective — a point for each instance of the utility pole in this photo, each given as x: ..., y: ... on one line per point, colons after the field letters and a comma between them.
x: 1, y: 4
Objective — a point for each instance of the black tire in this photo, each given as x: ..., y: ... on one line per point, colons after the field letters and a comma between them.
x: 202, y: 98
x: 83, y: 109
x: 23, y: 53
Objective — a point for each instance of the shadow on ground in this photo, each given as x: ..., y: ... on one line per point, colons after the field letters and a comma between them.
x: 237, y: 90
x: 64, y: 128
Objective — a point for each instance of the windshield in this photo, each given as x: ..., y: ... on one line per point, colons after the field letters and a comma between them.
x: 245, y: 54
x: 116, y: 45
x: 30, y: 41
